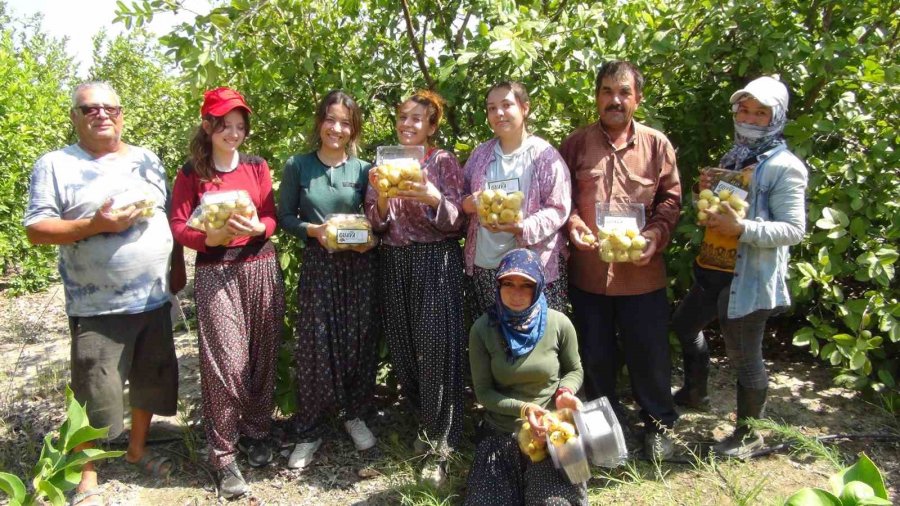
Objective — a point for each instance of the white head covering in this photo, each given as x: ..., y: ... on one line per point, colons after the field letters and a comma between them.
x: 751, y: 140
x: 768, y: 91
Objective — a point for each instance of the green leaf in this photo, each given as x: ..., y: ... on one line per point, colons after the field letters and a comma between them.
x: 220, y: 20
x: 65, y: 479
x: 53, y: 494
x: 858, y: 360
x: 812, y: 497
x: 845, y: 339
x: 84, y: 435
x: 12, y: 486
x: 863, y: 470
x: 886, y: 377
x: 803, y: 336
x: 76, y: 460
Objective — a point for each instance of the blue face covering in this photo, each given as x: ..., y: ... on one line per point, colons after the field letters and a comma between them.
x: 521, y: 329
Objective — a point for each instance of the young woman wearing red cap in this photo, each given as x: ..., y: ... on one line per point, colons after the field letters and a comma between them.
x: 238, y: 288
x: 336, y: 325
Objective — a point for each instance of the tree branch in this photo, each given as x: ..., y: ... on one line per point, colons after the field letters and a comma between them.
x: 418, y: 51
x: 457, y: 40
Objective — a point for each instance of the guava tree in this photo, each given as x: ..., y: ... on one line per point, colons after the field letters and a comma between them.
x: 34, y: 102
x: 838, y: 59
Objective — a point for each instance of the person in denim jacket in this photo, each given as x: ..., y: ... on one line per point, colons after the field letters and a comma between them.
x: 742, y: 280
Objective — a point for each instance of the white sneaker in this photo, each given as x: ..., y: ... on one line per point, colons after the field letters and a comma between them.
x: 303, y: 454
x: 361, y: 435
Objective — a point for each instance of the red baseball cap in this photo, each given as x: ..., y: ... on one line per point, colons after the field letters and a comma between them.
x: 220, y: 101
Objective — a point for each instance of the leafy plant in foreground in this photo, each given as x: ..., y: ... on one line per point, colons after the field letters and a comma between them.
x: 859, y: 484
x: 58, y: 469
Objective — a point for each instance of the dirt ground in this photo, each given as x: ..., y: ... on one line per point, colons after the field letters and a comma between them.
x: 34, y: 347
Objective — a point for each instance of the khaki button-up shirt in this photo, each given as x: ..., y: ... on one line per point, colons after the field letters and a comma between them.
x: 642, y: 171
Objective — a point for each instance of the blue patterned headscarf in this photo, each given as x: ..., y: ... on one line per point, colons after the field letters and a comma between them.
x: 521, y: 330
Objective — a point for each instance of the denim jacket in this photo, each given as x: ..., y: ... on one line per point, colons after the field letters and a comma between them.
x: 775, y: 220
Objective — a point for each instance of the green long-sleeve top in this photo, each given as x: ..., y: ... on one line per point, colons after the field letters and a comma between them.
x: 502, y: 387
x: 310, y: 191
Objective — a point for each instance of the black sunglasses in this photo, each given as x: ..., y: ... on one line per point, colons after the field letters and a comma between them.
x: 112, y: 111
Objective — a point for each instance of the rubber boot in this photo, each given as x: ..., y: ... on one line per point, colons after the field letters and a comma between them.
x: 751, y: 403
x: 696, y: 374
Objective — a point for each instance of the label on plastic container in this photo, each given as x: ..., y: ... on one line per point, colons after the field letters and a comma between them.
x: 735, y: 190
x: 352, y: 236
x: 507, y: 185
x: 625, y: 222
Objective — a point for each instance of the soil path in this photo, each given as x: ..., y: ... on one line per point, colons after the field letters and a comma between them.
x: 34, y: 347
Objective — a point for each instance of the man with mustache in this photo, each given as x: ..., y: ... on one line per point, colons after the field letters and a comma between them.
x: 623, y: 163
x: 118, y: 264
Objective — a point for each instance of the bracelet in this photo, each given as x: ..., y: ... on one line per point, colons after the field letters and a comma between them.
x: 561, y: 390
x: 523, y: 412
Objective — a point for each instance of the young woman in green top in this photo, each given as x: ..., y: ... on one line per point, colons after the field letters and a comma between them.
x: 336, y: 326
x: 524, y: 358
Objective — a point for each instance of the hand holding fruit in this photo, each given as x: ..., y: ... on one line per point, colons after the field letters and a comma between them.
x: 710, y: 204
x: 582, y: 237
x: 240, y: 225
x: 218, y: 236
x: 648, y: 253
x: 705, y: 182
x: 425, y: 191
x: 534, y: 416
x: 318, y: 232
x: 499, y: 211
x: 567, y: 400
x: 727, y: 222
x: 109, y: 221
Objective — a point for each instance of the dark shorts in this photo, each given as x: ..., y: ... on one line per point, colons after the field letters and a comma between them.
x: 108, y: 349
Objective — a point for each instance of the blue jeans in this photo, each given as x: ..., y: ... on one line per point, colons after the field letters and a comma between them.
x: 706, y: 302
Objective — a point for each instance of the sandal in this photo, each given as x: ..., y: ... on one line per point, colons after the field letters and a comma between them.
x: 80, y: 497
x: 153, y: 464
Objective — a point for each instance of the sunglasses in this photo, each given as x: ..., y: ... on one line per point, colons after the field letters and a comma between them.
x: 112, y: 111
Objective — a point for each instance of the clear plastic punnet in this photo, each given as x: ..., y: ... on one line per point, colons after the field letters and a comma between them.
x: 603, y: 438
x: 397, y: 167
x: 128, y: 201
x: 216, y: 208
x: 499, y: 207
x: 348, y: 231
x: 619, y: 228
x: 728, y: 188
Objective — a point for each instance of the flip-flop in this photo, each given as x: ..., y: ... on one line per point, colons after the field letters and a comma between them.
x: 81, y: 496
x: 152, y: 464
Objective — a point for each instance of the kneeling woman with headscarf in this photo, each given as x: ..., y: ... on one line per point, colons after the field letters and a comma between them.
x: 524, y: 358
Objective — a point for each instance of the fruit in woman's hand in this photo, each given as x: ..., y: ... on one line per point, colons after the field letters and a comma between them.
x: 499, y: 207
x: 223, y: 205
x: 709, y: 203
x: 588, y: 238
x: 396, y: 175
x: 335, y: 224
